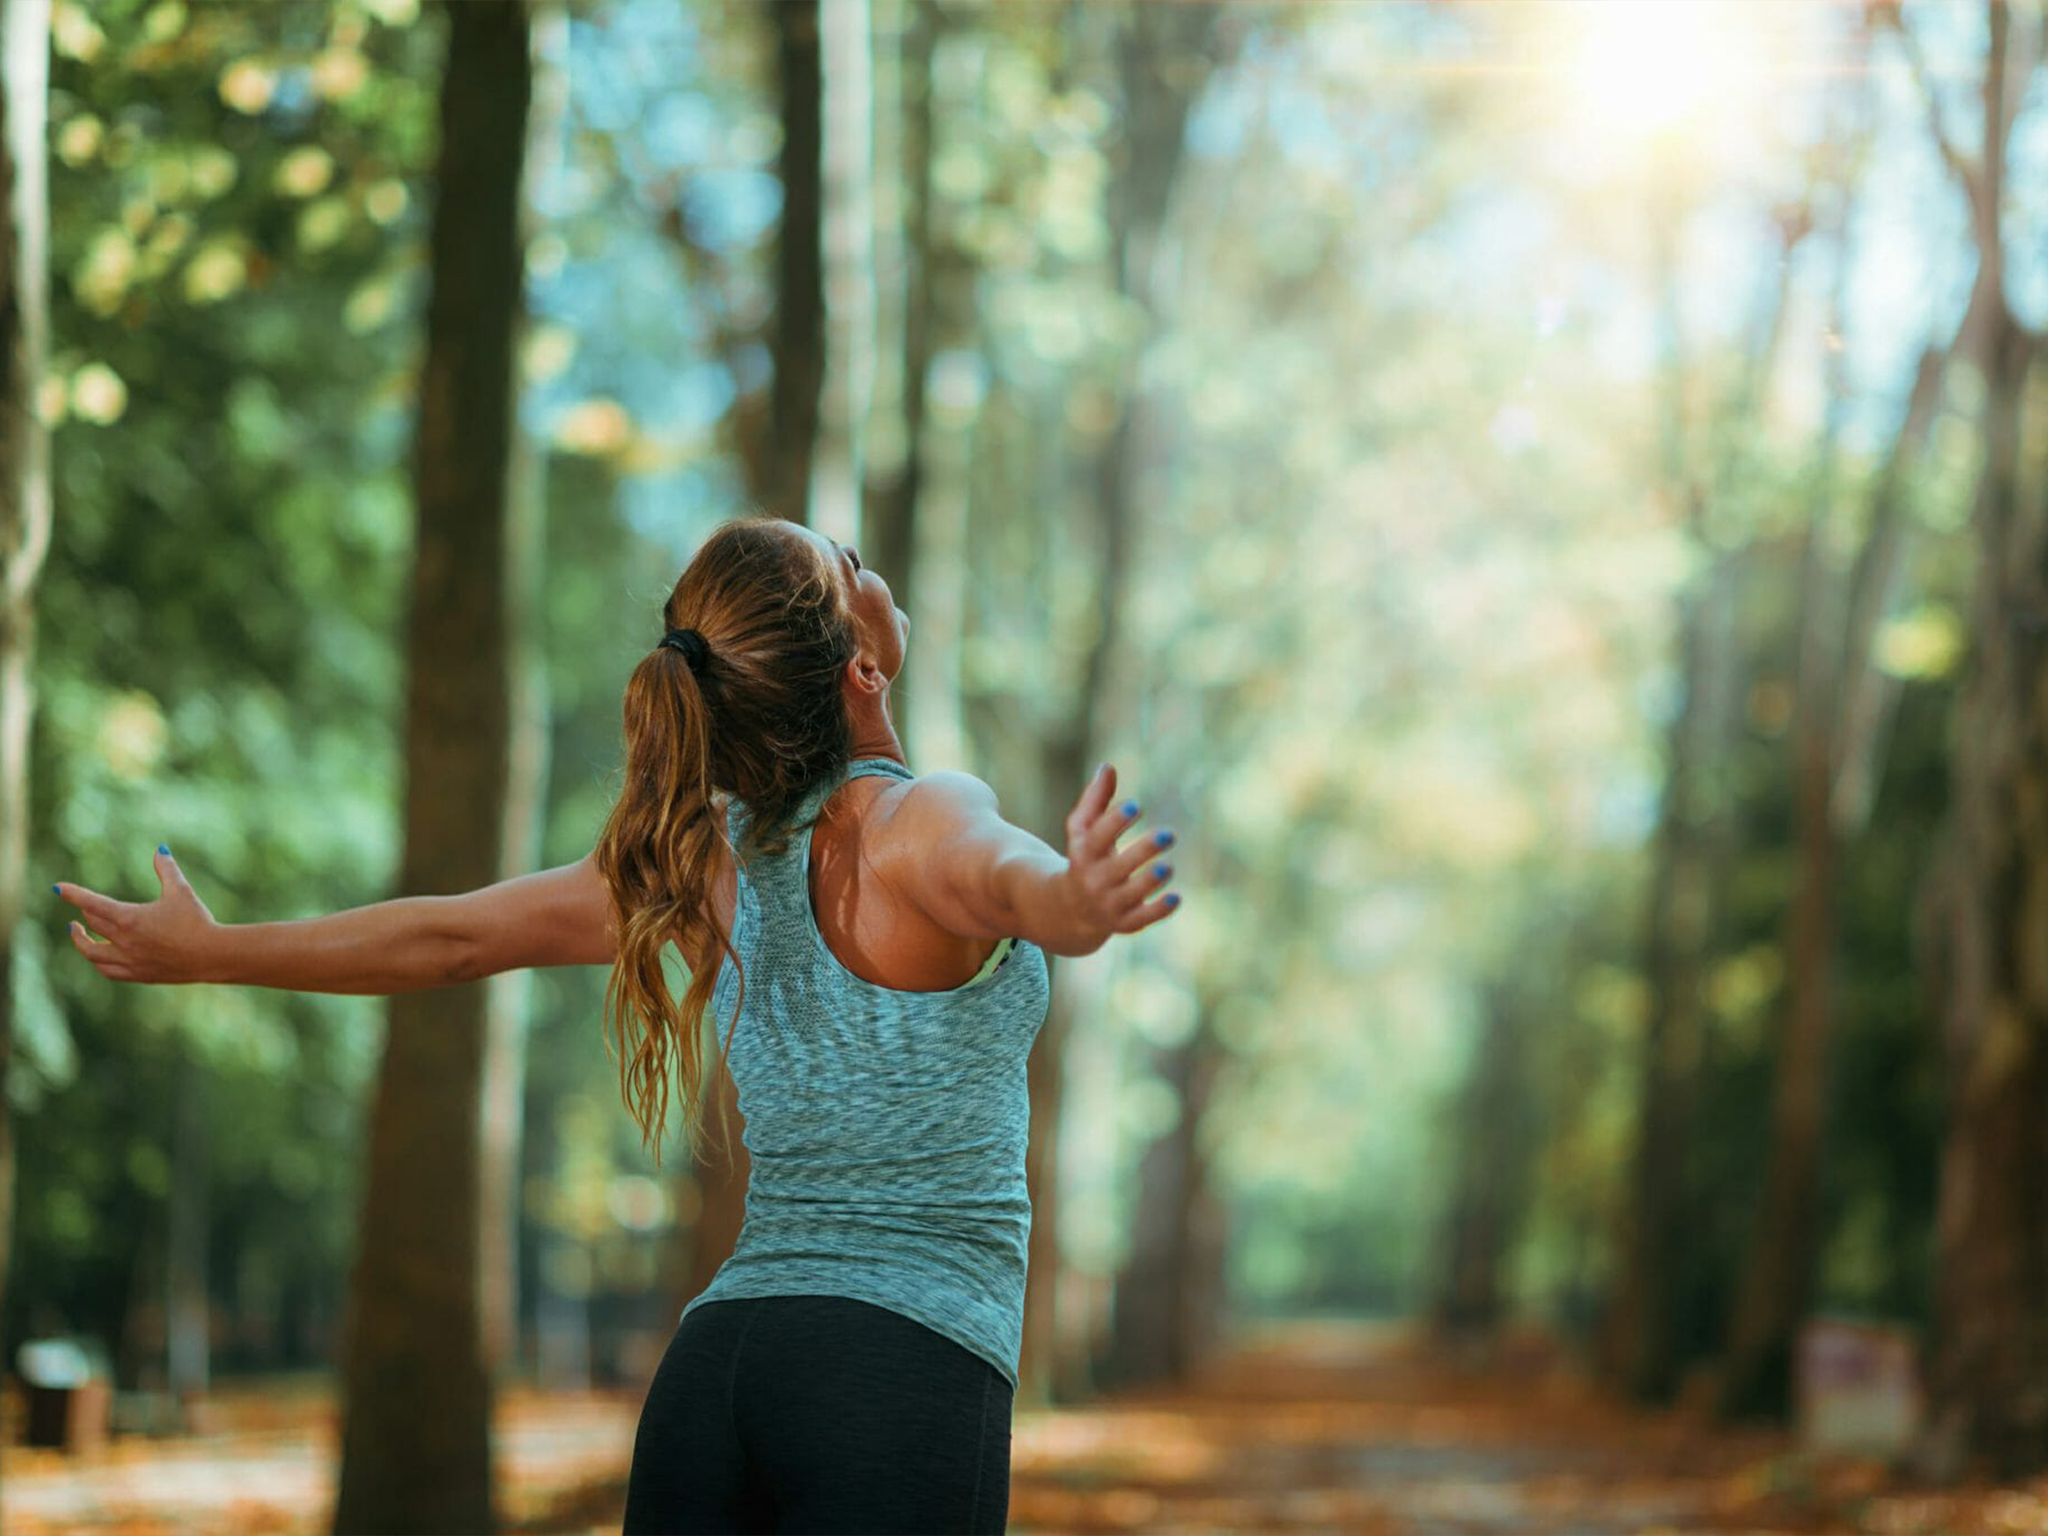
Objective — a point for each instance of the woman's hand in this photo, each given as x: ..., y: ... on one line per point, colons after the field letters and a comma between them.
x: 170, y: 939
x: 1107, y: 884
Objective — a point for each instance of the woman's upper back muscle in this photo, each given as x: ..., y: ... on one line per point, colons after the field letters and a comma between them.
x: 885, y: 860
x: 950, y: 843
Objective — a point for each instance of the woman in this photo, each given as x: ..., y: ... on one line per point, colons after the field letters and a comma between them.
x: 873, y: 945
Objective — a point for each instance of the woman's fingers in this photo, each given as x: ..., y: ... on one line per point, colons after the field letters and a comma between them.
x: 100, y: 952
x: 1089, y: 808
x: 1111, y: 824
x: 103, y: 912
x: 1146, y: 915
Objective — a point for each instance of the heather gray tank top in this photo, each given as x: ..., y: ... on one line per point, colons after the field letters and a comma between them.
x: 886, y: 1128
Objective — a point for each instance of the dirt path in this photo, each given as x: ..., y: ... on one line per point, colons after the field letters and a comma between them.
x: 1339, y: 1429
x: 1346, y: 1428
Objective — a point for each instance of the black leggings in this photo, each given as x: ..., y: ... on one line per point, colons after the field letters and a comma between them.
x: 819, y: 1413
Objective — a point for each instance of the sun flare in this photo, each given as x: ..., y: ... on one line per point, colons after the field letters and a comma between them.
x: 1662, y: 66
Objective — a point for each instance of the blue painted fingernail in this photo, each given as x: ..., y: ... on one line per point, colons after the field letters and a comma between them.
x: 1130, y: 807
x: 1162, y: 870
x: 1163, y: 838
x: 1173, y: 901
x: 58, y: 890
x: 163, y: 847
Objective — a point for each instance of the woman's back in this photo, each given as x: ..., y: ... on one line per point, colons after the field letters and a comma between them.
x: 870, y: 928
x: 886, y: 1125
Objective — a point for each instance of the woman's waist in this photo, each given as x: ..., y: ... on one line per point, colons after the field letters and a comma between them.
x: 989, y: 1214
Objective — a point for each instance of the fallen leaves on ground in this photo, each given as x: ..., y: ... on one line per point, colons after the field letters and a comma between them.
x: 1338, y: 1427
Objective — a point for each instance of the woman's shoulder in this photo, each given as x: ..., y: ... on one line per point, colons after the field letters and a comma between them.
x: 944, y: 794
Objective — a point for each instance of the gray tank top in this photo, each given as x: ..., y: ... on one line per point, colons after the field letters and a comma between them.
x: 886, y: 1128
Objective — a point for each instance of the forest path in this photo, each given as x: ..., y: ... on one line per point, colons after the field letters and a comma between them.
x: 1357, y: 1428
x: 1329, y: 1428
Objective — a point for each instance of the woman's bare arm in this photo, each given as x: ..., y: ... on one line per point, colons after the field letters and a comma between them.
x: 553, y: 917
x: 975, y: 874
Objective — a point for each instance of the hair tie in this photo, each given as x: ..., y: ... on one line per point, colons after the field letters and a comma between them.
x: 690, y: 643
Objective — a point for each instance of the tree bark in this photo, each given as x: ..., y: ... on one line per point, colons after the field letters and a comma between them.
x: 1164, y: 1313
x: 1491, y: 1193
x: 416, y: 1449
x: 798, y: 341
x: 1988, y: 1386
x: 508, y: 999
x: 1988, y: 1355
x: 1640, y: 1347
x: 24, y: 488
x: 889, y: 507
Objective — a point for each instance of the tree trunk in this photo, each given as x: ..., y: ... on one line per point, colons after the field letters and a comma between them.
x: 24, y: 489
x: 1777, y: 1278
x: 798, y: 348
x: 1164, y: 1314
x: 894, y: 468
x: 1639, y: 1346
x: 187, y: 1305
x: 508, y: 1000
x: 1988, y: 1386
x: 847, y: 221
x: 1161, y: 64
x: 1988, y: 1356
x: 1491, y: 1194
x: 416, y: 1449
x: 798, y: 341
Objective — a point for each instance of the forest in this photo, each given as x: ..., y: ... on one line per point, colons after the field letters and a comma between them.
x: 1548, y: 498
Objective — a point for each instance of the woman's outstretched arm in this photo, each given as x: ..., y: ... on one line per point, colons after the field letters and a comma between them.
x: 553, y: 917
x: 975, y: 874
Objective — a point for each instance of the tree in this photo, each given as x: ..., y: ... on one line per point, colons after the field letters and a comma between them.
x: 416, y: 1425
x: 798, y: 342
x: 24, y: 485
x: 1160, y: 64
x: 1841, y: 699
x: 1693, y: 844
x: 1989, y: 1355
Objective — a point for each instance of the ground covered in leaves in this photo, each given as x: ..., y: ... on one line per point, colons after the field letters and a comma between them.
x: 1323, y: 1428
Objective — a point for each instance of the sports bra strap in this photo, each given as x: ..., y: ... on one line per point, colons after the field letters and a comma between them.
x: 866, y: 767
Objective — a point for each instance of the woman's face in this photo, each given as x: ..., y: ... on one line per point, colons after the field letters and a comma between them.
x: 884, y: 628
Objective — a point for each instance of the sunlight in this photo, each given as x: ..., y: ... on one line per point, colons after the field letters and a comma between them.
x: 1673, y: 74
x: 1659, y: 66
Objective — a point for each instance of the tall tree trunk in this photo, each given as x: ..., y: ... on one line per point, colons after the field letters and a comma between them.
x: 24, y: 488
x: 187, y: 1304
x: 1640, y: 1345
x: 927, y: 518
x: 508, y: 1001
x: 1989, y: 1375
x: 1842, y: 703
x: 894, y: 470
x: 1164, y: 1313
x: 797, y: 345
x: 416, y: 1446
x: 1161, y: 65
x: 1777, y: 1278
x: 798, y: 341
x: 1491, y: 1192
x: 848, y: 255
x: 1988, y: 1356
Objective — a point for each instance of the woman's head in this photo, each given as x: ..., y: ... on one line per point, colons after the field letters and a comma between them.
x: 795, y: 636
